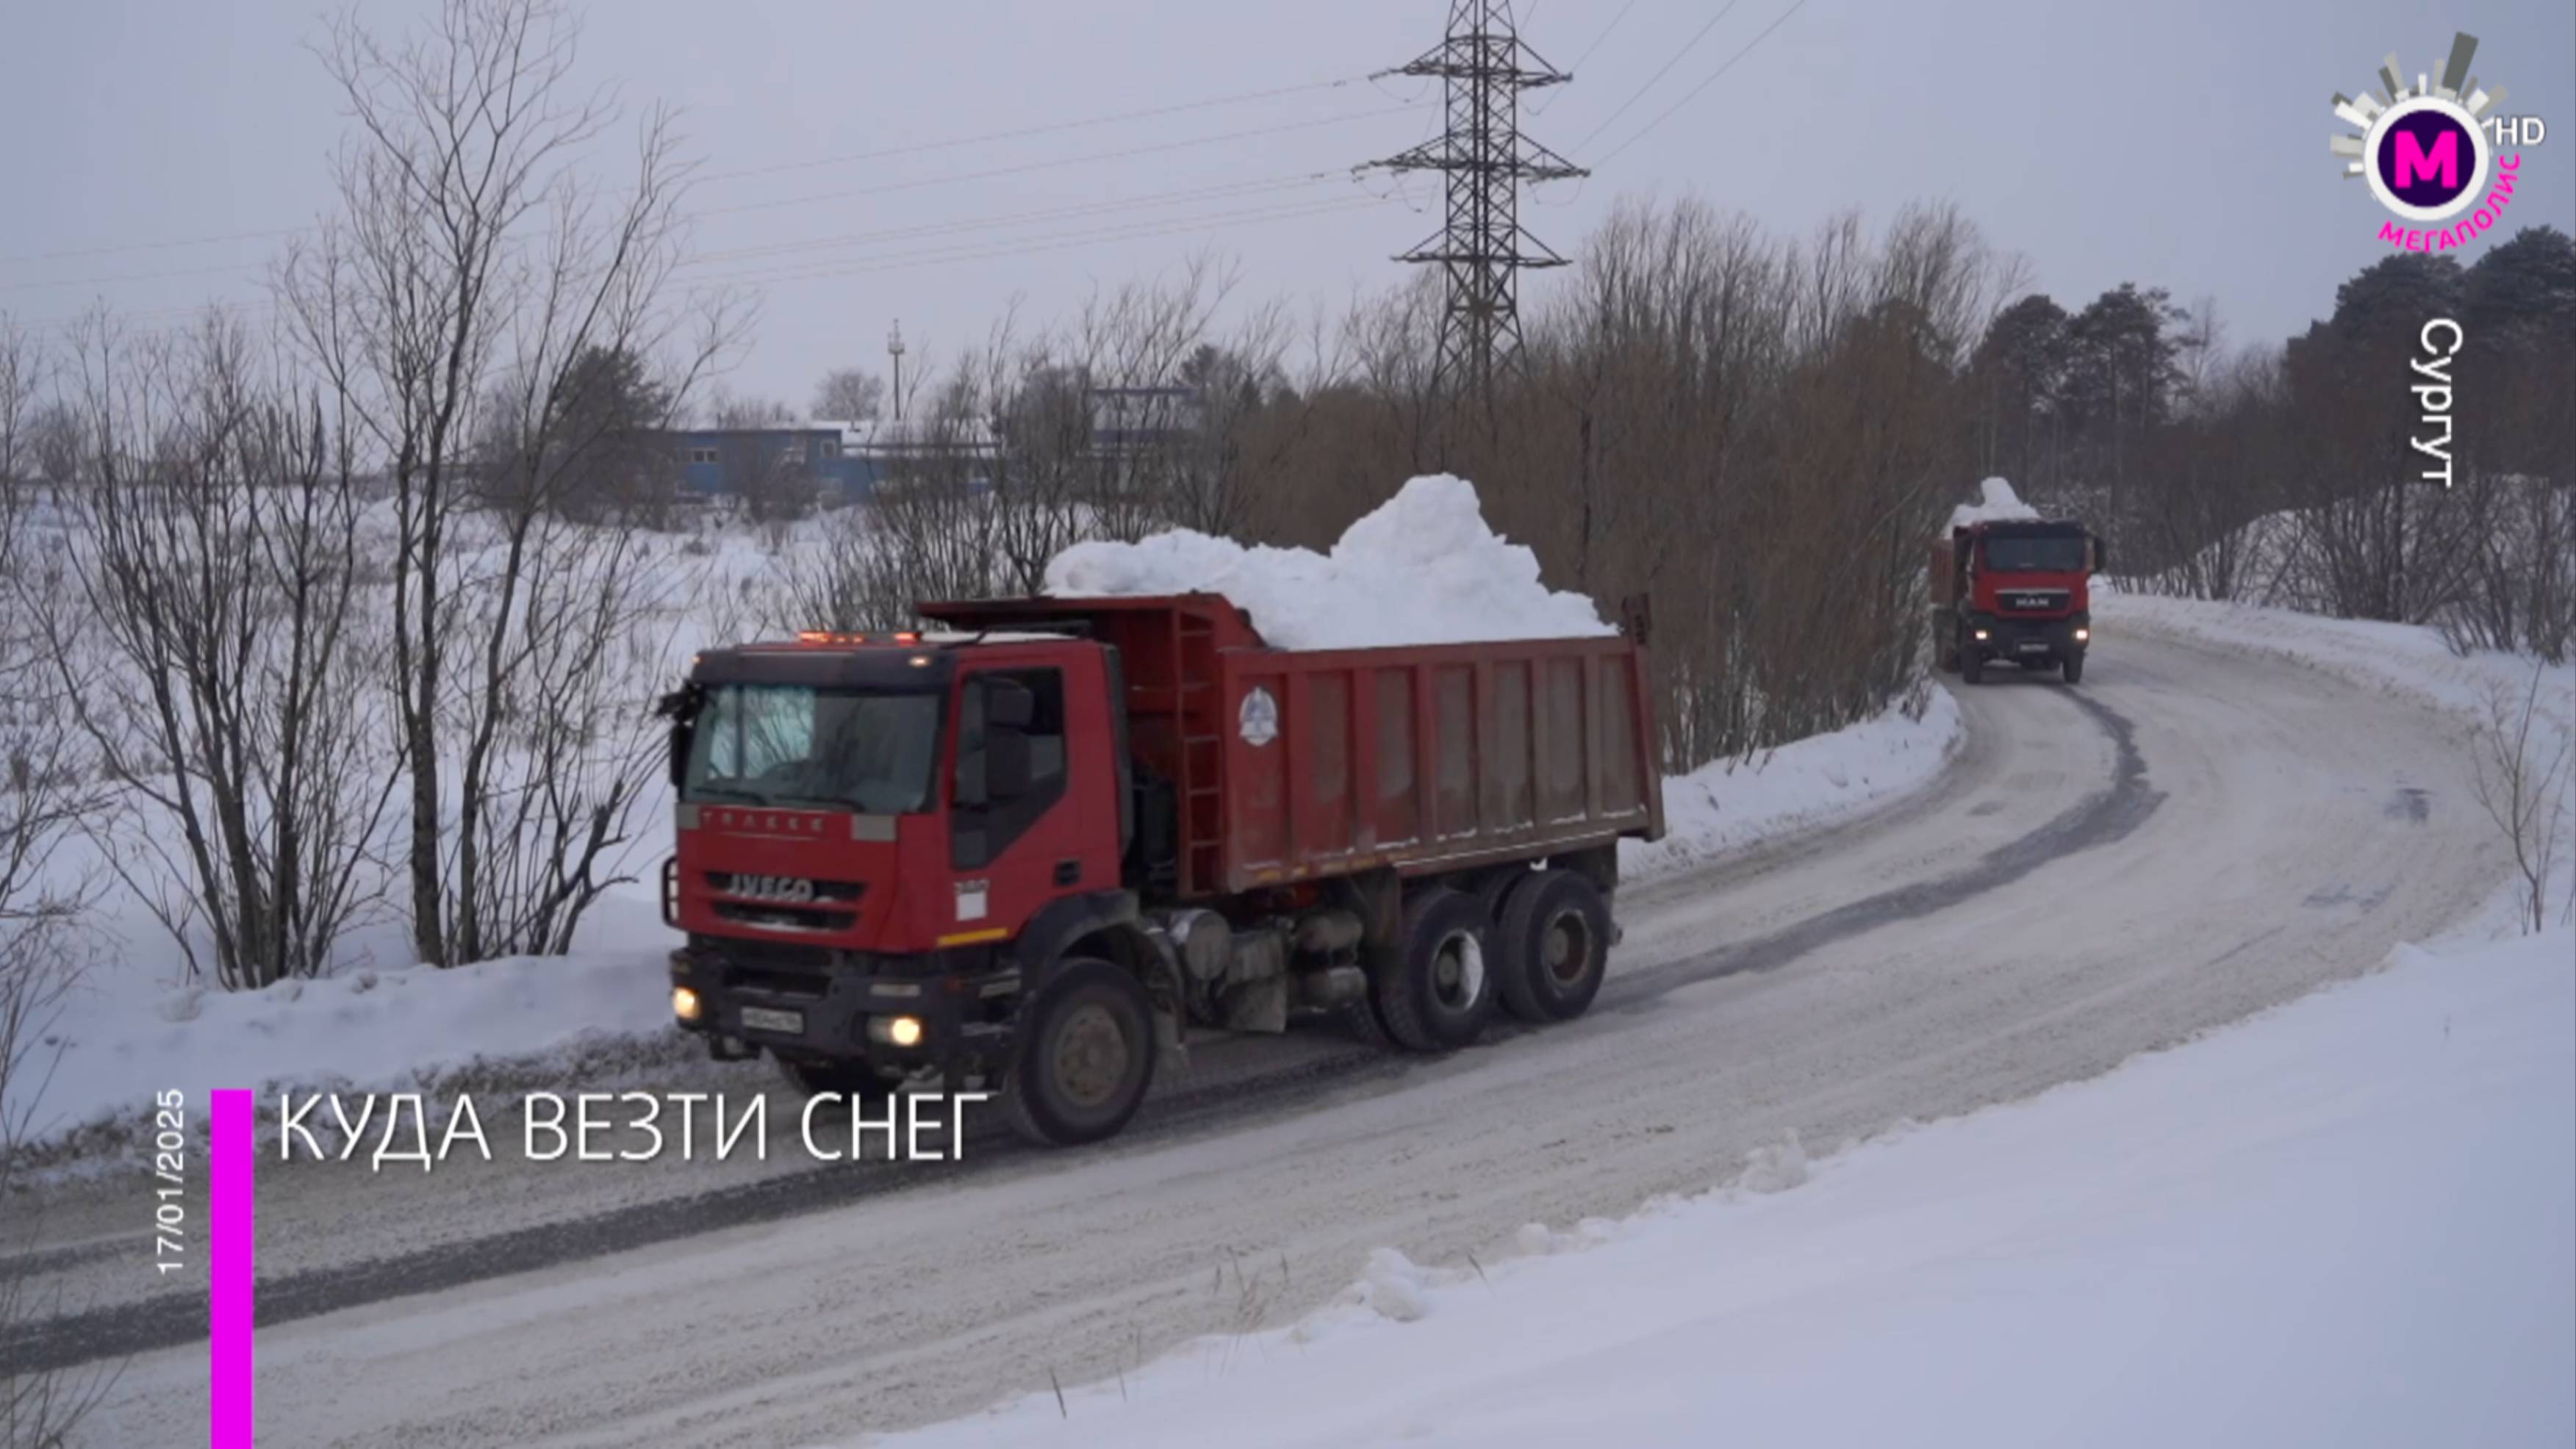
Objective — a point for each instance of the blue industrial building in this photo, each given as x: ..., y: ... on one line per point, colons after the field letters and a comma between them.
x: 713, y: 461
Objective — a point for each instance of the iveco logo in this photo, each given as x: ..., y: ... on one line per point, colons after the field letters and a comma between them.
x: 773, y: 887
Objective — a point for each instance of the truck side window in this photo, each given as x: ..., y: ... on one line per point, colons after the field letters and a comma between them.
x: 979, y: 834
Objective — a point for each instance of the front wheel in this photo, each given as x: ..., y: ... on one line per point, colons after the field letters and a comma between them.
x: 2074, y: 669
x: 1084, y: 1058
x: 1972, y: 670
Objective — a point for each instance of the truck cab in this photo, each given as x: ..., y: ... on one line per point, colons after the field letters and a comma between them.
x: 863, y: 820
x: 2017, y: 590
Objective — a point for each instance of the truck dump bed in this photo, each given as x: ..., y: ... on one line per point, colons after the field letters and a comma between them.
x: 1290, y: 765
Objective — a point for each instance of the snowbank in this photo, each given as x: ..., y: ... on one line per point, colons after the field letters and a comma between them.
x: 1996, y: 500
x: 2350, y: 1221
x: 1422, y: 569
x: 1806, y: 783
x: 371, y: 1030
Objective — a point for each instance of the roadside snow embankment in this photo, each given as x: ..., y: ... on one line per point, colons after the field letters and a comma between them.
x: 1730, y: 804
x: 398, y: 1030
x: 1423, y: 568
x: 2350, y: 1221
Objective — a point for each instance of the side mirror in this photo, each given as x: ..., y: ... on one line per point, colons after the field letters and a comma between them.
x: 680, y: 707
x: 2101, y: 552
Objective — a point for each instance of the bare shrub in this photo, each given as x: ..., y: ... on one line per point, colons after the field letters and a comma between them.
x: 2523, y: 782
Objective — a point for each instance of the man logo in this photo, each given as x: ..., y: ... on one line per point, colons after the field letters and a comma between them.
x: 2423, y: 149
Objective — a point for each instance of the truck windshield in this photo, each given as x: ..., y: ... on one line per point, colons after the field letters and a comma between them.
x: 2062, y: 555
x: 777, y: 744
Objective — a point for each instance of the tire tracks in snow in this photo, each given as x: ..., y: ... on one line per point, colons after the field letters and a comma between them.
x: 2100, y: 818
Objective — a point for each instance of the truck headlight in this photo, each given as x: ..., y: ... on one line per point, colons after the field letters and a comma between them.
x: 685, y: 1004
x: 1981, y: 636
x: 2082, y: 634
x: 901, y: 1031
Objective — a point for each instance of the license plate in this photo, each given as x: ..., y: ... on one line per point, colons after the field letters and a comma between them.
x: 761, y: 1018
x: 2034, y: 646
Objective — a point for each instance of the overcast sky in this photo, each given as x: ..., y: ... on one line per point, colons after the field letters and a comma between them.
x: 2181, y: 143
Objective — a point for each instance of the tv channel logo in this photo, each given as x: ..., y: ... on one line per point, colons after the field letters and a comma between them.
x: 2435, y: 153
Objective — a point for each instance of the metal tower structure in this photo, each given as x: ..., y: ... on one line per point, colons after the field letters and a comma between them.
x: 1483, y: 66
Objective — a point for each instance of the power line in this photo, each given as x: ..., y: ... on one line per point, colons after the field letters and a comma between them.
x: 201, y: 241
x: 952, y: 143
x: 1156, y: 149
x: 1115, y: 203
x: 185, y: 316
x: 1577, y: 67
x: 1031, y: 246
x: 1639, y: 93
x: 1013, y: 135
x: 1712, y: 80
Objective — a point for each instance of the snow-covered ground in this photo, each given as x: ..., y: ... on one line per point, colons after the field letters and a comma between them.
x: 2404, y: 661
x: 2348, y: 1222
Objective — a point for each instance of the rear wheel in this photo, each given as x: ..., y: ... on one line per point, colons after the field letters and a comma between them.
x: 1554, y: 941
x: 1435, y: 993
x: 1084, y: 1057
x: 2074, y: 668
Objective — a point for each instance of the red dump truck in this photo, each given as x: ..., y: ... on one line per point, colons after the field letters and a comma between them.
x: 2016, y: 589
x: 1040, y: 846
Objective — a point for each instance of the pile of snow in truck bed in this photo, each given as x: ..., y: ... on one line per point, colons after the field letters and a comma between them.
x: 1422, y: 569
x: 1996, y: 500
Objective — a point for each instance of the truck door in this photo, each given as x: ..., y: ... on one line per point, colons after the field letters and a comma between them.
x: 1012, y: 840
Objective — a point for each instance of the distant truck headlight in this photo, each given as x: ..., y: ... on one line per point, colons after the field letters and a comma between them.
x: 1981, y: 636
x: 2082, y: 634
x: 685, y: 1004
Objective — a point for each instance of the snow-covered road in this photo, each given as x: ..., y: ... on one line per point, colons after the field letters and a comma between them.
x: 2192, y: 835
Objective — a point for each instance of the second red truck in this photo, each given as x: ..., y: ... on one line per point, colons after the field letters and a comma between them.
x: 1036, y: 848
x: 2016, y: 590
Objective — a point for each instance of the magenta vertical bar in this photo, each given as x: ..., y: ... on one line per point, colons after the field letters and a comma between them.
x: 229, y: 1153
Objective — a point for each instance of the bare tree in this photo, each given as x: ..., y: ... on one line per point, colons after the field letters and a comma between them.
x: 43, y: 798
x: 474, y: 265
x: 214, y: 650
x: 849, y: 395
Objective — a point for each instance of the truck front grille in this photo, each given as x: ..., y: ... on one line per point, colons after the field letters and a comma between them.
x: 765, y: 955
x: 786, y: 918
